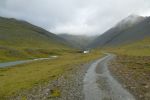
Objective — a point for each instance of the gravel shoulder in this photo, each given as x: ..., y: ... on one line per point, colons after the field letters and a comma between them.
x: 68, y: 86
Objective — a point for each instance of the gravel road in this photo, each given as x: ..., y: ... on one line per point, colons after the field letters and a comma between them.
x: 100, y: 85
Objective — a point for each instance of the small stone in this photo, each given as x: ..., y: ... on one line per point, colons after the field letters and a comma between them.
x: 146, y: 86
x: 141, y: 96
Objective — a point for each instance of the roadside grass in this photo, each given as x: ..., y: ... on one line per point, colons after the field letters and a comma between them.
x: 55, y: 93
x: 26, y: 76
x: 140, y: 48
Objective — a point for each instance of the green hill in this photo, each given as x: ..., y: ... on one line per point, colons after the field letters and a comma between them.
x: 131, y: 29
x: 139, y: 48
x: 22, y: 40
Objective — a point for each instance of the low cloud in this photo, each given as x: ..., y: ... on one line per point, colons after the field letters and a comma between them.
x: 74, y: 16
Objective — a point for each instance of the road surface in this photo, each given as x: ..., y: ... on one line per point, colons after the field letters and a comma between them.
x: 99, y: 84
x: 13, y: 63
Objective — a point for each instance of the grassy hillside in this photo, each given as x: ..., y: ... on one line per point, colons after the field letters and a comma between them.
x: 140, y: 48
x: 124, y: 32
x: 22, y: 40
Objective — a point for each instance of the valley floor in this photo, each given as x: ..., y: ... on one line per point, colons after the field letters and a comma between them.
x: 54, y: 79
x: 78, y: 83
x: 65, y: 78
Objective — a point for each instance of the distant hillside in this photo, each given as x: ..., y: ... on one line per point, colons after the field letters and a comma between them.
x: 20, y: 39
x: 78, y: 41
x: 132, y: 28
x: 139, y: 48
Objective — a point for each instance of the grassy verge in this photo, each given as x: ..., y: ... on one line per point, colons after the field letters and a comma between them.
x: 26, y: 76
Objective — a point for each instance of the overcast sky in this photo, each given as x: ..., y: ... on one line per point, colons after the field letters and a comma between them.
x: 74, y: 16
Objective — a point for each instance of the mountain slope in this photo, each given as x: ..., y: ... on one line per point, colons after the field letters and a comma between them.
x: 133, y: 28
x: 78, y: 41
x: 20, y: 39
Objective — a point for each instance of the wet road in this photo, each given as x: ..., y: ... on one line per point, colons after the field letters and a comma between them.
x: 13, y: 63
x: 99, y: 84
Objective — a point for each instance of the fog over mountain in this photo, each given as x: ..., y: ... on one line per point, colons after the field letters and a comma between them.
x: 74, y: 16
x: 131, y: 29
x: 78, y: 41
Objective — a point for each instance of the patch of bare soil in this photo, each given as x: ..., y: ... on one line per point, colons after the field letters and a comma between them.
x: 134, y: 73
